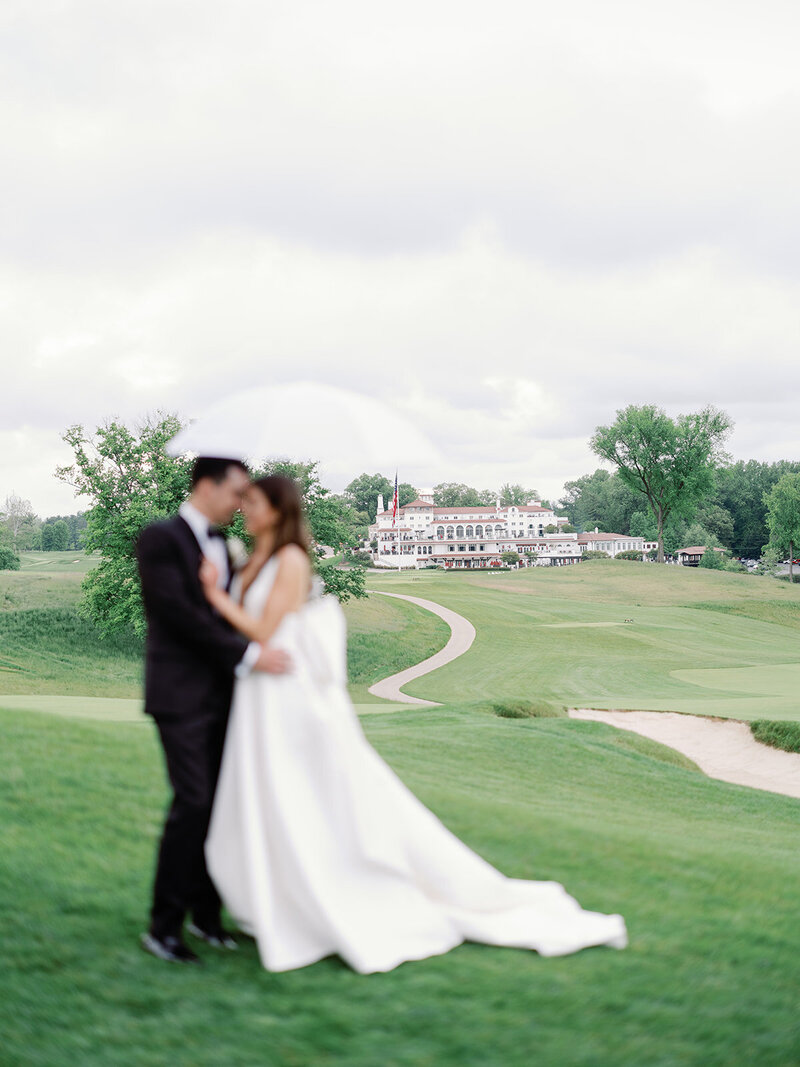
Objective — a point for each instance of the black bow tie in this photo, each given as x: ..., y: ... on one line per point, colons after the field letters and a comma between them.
x: 214, y: 531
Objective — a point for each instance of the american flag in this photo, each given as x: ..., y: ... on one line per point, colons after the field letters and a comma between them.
x: 394, y: 501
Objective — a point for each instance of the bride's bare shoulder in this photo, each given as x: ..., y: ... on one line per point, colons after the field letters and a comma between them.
x: 293, y: 558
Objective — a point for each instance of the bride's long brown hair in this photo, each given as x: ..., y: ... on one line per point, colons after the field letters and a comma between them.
x: 284, y: 496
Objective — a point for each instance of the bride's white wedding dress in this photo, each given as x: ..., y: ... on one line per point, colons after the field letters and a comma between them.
x: 317, y: 847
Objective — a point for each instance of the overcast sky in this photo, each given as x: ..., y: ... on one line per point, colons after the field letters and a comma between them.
x: 505, y: 220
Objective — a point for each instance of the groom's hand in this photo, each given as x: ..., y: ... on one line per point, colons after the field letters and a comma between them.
x: 273, y: 661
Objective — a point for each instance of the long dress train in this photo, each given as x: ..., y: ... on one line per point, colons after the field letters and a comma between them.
x: 317, y: 847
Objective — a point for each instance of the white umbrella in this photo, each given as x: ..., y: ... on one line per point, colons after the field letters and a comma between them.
x: 306, y: 420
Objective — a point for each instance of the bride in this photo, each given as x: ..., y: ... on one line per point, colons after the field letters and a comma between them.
x: 315, y: 845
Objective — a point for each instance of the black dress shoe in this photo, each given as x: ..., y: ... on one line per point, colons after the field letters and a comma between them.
x: 217, y: 938
x: 168, y: 948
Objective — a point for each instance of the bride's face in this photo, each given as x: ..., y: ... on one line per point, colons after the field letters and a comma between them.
x: 259, y: 515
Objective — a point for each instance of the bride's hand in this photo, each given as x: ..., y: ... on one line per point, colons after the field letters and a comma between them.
x: 208, y: 577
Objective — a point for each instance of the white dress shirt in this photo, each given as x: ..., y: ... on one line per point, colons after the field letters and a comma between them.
x: 213, y: 548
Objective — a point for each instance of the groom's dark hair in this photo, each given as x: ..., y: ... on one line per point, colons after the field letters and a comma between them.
x: 214, y: 468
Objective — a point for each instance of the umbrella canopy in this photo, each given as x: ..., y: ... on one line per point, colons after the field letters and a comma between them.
x: 305, y: 420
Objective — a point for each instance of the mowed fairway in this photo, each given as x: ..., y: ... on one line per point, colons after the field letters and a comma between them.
x: 705, y: 873
x: 697, y: 641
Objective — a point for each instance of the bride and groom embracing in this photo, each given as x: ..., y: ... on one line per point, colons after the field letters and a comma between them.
x: 281, y: 809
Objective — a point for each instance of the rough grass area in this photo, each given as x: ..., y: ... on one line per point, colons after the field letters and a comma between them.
x: 785, y: 735
x: 47, y: 648
x: 54, y: 651
x: 705, y: 874
x: 520, y: 709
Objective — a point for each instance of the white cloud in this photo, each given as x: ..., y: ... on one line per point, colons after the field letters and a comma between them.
x: 506, y: 222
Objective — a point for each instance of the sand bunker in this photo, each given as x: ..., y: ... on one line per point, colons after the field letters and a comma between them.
x: 722, y: 748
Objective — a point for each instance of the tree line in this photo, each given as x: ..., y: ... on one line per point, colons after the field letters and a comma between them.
x: 22, y: 530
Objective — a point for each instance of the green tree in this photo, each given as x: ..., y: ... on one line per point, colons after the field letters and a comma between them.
x: 60, y: 535
x: 458, y: 495
x: 600, y: 499
x: 670, y: 462
x: 741, y: 488
x: 712, y: 560
x: 9, y: 560
x: 405, y: 494
x: 516, y: 495
x: 783, y: 517
x: 510, y: 558
x: 18, y: 519
x: 131, y: 482
x: 76, y: 524
x: 362, y: 493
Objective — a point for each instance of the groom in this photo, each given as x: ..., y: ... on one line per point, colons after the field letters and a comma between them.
x: 192, y: 656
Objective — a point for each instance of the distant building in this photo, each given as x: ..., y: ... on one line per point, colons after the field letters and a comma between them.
x: 613, y: 543
x: 476, y: 537
x: 690, y: 557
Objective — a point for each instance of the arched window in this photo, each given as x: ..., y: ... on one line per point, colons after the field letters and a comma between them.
x: 440, y: 532
x: 470, y: 532
x: 479, y: 531
x: 498, y: 531
x: 449, y: 533
x: 459, y: 531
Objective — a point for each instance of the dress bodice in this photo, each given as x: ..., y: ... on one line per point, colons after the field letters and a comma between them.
x: 257, y: 594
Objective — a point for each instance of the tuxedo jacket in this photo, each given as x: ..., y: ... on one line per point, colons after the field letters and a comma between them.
x: 190, y: 651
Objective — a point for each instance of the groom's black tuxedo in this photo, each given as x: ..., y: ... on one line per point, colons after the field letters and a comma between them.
x: 191, y: 653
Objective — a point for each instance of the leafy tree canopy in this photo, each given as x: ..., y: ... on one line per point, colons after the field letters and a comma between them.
x: 9, y: 560
x: 783, y: 516
x: 671, y: 462
x: 131, y: 482
x: 600, y: 499
x: 516, y: 495
x: 458, y: 495
x: 362, y: 493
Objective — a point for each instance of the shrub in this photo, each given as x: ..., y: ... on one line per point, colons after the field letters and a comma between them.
x: 593, y: 553
x: 9, y: 560
x: 527, y: 709
x: 785, y: 735
x: 629, y: 553
x: 713, y: 561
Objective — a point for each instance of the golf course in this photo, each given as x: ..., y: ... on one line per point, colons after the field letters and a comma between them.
x: 704, y: 872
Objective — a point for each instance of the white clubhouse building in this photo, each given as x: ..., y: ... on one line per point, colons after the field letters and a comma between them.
x: 424, y: 535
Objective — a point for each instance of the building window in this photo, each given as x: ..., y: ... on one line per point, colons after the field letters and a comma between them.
x: 479, y: 531
x: 470, y: 532
x: 459, y: 531
x: 449, y: 533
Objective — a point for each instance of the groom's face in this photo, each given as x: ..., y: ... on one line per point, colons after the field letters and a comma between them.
x: 225, y: 497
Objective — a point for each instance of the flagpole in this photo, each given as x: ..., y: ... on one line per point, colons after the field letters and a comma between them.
x: 395, y: 509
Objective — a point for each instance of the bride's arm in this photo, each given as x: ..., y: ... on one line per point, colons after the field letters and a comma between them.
x: 288, y: 594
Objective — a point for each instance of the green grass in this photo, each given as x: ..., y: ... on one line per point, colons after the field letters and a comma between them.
x: 704, y: 872
x: 611, y: 634
x: 785, y: 735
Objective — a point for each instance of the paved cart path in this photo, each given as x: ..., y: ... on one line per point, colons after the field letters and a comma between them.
x: 462, y: 634
x: 722, y: 748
